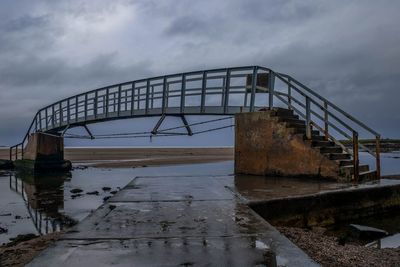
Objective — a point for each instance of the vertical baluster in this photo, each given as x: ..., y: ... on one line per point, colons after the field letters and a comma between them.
x: 378, y: 156
x: 253, y: 88
x: 76, y: 109
x: 147, y: 96
x: 289, y: 94
x: 326, y: 118
x: 53, y: 115
x: 61, y: 114
x: 308, y: 118
x: 183, y: 88
x: 152, y: 97
x: 132, y: 98
x: 107, y: 100
x: 68, y: 110
x: 40, y: 120
x: 271, y: 83
x: 46, y: 119
x: 203, y: 91
x: 165, y: 88
x: 86, y: 106
x: 227, y: 87
x: 119, y: 100
x: 356, y: 160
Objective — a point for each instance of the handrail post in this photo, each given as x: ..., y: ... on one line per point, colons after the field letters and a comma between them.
x: 289, y: 94
x: 326, y: 118
x: 203, y: 92
x: 11, y: 152
x: 271, y: 89
x: 356, y: 160
x: 183, y: 89
x: 164, y: 95
x: 378, y: 156
x: 226, y: 90
x: 253, y: 88
x: 308, y: 118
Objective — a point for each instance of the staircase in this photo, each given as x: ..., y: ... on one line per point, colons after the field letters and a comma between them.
x: 323, y: 145
x: 282, y: 135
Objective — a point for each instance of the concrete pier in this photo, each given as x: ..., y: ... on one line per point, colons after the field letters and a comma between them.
x: 44, y: 152
x: 174, y: 221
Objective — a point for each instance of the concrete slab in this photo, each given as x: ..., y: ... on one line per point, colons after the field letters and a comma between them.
x: 169, y: 219
x: 174, y: 221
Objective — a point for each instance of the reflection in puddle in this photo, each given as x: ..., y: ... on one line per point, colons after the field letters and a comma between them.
x: 44, y: 199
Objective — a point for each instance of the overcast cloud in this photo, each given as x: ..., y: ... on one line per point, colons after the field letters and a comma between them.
x: 348, y: 51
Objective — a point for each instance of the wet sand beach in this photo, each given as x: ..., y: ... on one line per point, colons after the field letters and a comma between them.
x: 123, y: 157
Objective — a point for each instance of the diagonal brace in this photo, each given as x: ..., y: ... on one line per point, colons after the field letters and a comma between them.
x: 188, y: 129
x: 160, y: 121
x: 88, y: 131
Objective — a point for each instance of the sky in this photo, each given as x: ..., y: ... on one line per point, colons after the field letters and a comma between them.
x: 347, y: 51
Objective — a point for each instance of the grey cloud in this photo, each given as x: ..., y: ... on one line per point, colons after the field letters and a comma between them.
x: 349, y: 51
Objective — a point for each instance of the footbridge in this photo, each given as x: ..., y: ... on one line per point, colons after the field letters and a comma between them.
x: 226, y: 91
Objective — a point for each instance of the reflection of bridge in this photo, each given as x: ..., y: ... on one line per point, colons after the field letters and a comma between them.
x: 209, y: 92
x: 42, y: 204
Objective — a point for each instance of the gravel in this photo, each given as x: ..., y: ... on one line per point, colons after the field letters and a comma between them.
x: 326, y: 250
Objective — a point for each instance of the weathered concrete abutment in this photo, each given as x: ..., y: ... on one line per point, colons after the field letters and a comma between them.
x: 44, y: 152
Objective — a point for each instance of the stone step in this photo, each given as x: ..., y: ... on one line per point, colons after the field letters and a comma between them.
x: 303, y: 131
x: 283, y: 112
x: 343, y: 163
x: 330, y: 149
x: 315, y: 143
x: 295, y: 125
x: 336, y: 156
x: 318, y: 138
x: 291, y: 120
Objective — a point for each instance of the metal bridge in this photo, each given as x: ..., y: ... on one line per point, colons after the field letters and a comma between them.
x: 208, y: 92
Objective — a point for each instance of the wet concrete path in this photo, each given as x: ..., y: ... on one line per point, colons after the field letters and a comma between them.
x: 174, y: 221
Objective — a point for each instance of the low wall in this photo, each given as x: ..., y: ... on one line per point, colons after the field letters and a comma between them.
x: 329, y: 208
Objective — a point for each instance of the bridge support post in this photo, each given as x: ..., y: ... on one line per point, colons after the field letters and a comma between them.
x: 44, y: 152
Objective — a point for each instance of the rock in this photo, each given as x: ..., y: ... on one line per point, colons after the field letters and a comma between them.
x: 6, y: 164
x: 17, y: 217
x: 76, y: 191
x: 93, y: 193
x: 106, y: 188
x: 76, y: 195
x: 114, y: 192
x: 3, y: 230
x: 366, y: 232
x: 106, y: 198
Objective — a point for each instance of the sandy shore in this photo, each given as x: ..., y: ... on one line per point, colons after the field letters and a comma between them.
x: 135, y: 157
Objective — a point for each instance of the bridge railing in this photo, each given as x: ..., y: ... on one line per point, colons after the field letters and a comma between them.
x: 333, y: 122
x: 218, y: 92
